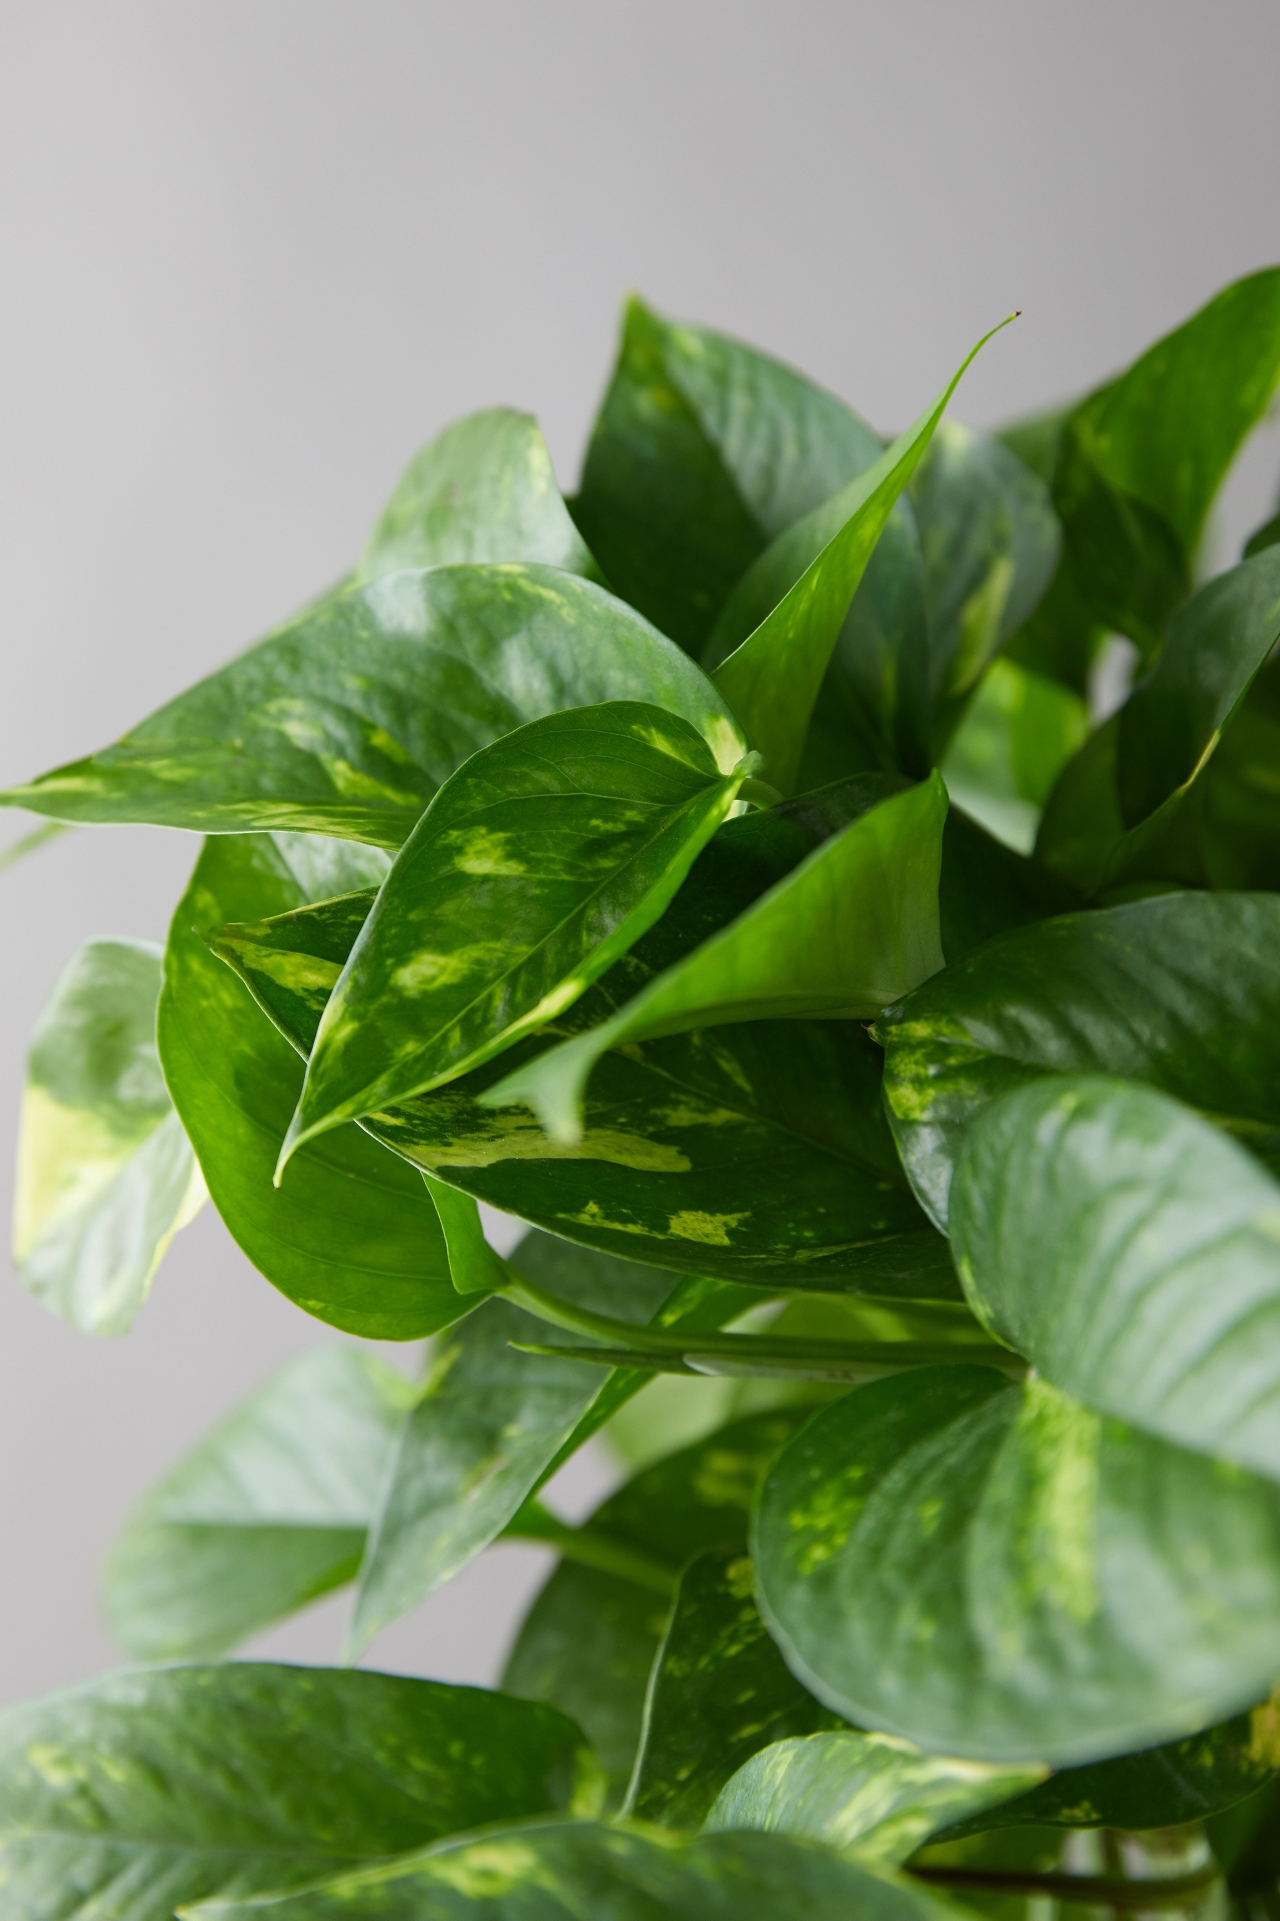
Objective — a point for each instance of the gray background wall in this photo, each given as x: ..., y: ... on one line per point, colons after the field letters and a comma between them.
x: 255, y: 252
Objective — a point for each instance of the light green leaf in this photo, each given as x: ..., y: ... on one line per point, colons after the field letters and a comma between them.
x: 1013, y: 743
x: 808, y: 579
x: 995, y: 1572
x: 483, y: 490
x: 537, y: 866
x: 348, y: 719
x: 106, y: 1176
x: 268, y: 1511
x: 473, y: 1265
x: 719, y: 1690
x: 1180, y: 991
x: 850, y: 929
x: 354, y: 1238
x: 1129, y: 806
x: 1132, y: 1253
x: 704, y: 451
x: 142, y: 1793
x: 868, y: 1795
x: 566, y: 1871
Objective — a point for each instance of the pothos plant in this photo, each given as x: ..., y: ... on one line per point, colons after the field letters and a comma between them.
x: 900, y: 1177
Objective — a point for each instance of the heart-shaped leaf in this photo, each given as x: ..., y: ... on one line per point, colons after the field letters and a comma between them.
x: 996, y: 1572
x: 106, y: 1176
x: 838, y: 938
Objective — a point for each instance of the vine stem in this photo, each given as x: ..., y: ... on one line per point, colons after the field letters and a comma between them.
x: 590, y: 1547
x: 1084, y: 1890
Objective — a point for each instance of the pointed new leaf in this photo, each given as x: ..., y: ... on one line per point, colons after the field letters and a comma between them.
x: 535, y: 868
x: 268, y: 1511
x: 718, y: 1691
x: 354, y: 1239
x: 704, y: 451
x: 106, y: 1176
x: 1180, y: 991
x: 483, y: 490
x: 844, y: 934
x: 1132, y: 1253
x: 771, y: 681
x: 141, y: 1793
x: 347, y: 720
x: 995, y: 1572
x: 868, y: 1795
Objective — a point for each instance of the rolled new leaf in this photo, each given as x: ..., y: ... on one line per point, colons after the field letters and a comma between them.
x: 998, y: 1573
x: 1132, y: 1253
x: 106, y: 1175
x: 537, y: 866
x: 843, y: 935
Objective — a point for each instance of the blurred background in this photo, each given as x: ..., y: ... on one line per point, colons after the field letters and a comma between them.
x: 255, y: 253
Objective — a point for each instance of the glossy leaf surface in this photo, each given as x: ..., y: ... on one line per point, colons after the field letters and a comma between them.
x: 346, y: 721
x: 142, y: 1792
x: 483, y: 490
x: 536, y: 867
x: 1179, y: 991
x: 566, y: 1871
x: 718, y: 1691
x: 840, y: 937
x: 106, y: 1176
x: 268, y: 1511
x: 353, y: 1238
x: 996, y: 1572
x: 1132, y: 1253
x: 869, y: 1795
x: 704, y: 451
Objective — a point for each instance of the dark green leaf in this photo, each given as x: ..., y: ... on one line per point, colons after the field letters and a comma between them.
x: 589, y: 1640
x: 535, y: 868
x: 347, y: 720
x: 1017, y: 736
x: 106, y: 1176
x: 994, y: 1571
x: 718, y: 1691
x: 868, y: 1795
x: 353, y: 1238
x: 842, y: 935
x: 483, y: 490
x: 126, y: 1799
x: 987, y: 889
x: 268, y: 1511
x: 1266, y: 536
x: 1239, y: 815
x: 567, y: 1871
x: 1180, y: 991
x: 1246, y: 1840
x: 704, y: 451
x: 1132, y: 1253
x: 1128, y: 807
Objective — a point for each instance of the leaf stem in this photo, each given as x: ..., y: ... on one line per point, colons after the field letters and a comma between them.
x: 590, y: 1548
x: 1083, y: 1890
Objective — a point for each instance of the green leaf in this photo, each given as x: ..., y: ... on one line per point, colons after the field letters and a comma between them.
x: 1128, y: 807
x: 1246, y: 1841
x: 867, y: 1795
x: 1142, y: 458
x: 569, y: 1870
x: 1239, y: 821
x: 842, y: 935
x: 1163, y: 1787
x: 1017, y: 736
x: 348, y: 719
x: 1179, y: 991
x: 704, y: 451
x: 808, y: 579
x: 986, y: 889
x: 1132, y: 1253
x: 1265, y: 536
x: 267, y: 1512
x: 995, y: 1572
x: 535, y: 868
x: 486, y: 1430
x: 698, y: 1152
x: 589, y: 1640
x: 483, y: 490
x: 719, y: 1690
x: 354, y: 1238
x: 106, y: 1176
x: 144, y: 1792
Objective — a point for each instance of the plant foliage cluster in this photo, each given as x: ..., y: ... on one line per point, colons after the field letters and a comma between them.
x: 723, y: 873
